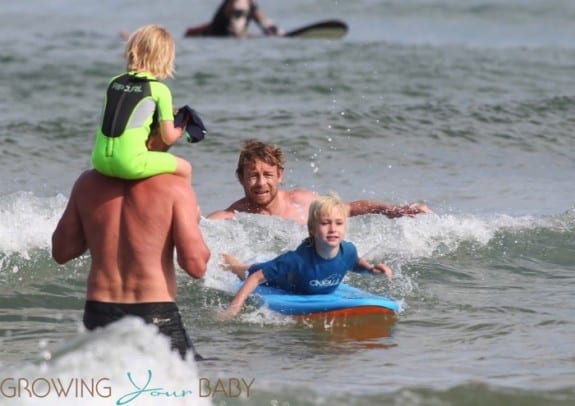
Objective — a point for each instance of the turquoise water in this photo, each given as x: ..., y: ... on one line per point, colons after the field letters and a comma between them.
x: 465, y: 105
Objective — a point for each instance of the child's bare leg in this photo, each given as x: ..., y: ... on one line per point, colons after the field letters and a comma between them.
x: 184, y: 168
x: 234, y: 265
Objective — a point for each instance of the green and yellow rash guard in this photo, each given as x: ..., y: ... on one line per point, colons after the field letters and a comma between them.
x: 133, y: 102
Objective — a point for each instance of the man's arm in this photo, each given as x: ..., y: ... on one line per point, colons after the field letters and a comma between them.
x: 360, y: 207
x: 68, y: 240
x: 192, y: 251
x: 221, y: 215
x: 230, y: 212
x: 267, y: 26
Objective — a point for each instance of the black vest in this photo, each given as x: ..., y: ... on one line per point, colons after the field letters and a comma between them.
x: 122, y: 97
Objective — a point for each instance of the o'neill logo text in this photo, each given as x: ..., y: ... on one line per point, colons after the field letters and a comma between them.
x: 332, y: 280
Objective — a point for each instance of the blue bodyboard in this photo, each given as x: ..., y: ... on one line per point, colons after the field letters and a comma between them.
x: 345, y: 299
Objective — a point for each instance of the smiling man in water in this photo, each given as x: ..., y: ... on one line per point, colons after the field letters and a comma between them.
x: 260, y: 172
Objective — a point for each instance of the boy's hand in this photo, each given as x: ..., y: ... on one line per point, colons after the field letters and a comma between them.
x: 383, y: 268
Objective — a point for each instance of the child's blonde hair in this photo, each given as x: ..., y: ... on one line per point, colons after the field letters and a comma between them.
x: 323, y: 205
x: 151, y: 49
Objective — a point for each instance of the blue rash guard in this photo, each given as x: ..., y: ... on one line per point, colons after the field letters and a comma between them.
x: 303, y: 271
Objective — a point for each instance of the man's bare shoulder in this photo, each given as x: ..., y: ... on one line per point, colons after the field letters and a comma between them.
x: 221, y: 215
x: 89, y: 175
x: 166, y: 191
x: 237, y: 206
x: 168, y: 183
x: 92, y: 183
x: 301, y: 196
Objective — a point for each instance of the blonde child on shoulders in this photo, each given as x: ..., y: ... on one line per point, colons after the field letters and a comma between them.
x: 135, y: 101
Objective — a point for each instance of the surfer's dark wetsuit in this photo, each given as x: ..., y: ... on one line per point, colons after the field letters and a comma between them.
x: 164, y: 315
x: 234, y: 22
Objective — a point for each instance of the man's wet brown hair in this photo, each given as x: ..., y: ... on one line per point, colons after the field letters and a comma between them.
x: 253, y: 150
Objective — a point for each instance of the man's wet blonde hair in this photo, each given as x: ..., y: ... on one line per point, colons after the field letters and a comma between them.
x: 152, y: 49
x: 324, y: 205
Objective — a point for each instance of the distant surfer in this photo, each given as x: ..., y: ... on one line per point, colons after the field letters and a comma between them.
x: 232, y: 19
x: 260, y: 172
x: 132, y: 228
x: 317, y: 266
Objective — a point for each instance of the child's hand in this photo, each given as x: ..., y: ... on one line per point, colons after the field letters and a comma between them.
x: 228, y: 314
x: 181, y: 118
x: 383, y: 268
x: 224, y: 315
x: 234, y: 265
x: 226, y: 261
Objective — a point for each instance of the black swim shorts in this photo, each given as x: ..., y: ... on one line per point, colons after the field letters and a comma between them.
x: 165, y: 315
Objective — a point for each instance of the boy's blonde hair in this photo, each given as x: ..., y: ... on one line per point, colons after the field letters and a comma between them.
x: 321, y: 206
x: 151, y: 49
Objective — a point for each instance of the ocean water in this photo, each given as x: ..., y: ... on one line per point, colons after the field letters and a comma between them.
x: 465, y: 105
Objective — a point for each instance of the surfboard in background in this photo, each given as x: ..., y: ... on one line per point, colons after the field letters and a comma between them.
x: 329, y: 29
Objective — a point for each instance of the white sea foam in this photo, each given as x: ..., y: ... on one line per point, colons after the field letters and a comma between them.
x: 127, y: 362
